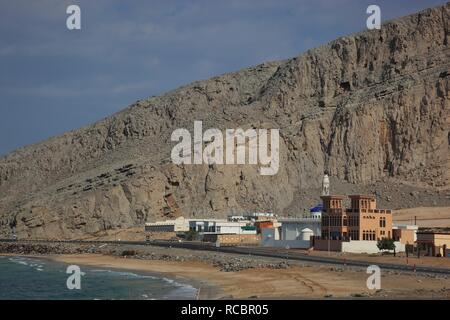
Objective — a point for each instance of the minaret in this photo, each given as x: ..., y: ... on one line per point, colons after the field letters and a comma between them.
x: 325, y: 185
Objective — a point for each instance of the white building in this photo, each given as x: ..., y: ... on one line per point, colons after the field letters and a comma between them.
x: 253, y: 216
x: 291, y: 228
x: 316, y: 212
x: 178, y: 225
x: 411, y: 227
x: 293, y: 233
x: 202, y: 225
x: 220, y: 226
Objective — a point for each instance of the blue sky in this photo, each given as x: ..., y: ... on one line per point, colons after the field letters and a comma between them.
x: 53, y: 80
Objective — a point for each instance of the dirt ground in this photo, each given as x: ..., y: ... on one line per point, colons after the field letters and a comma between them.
x: 400, y: 258
x: 426, y: 216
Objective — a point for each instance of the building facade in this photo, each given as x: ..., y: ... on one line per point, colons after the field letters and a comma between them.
x: 434, y: 242
x: 178, y: 225
x: 406, y: 234
x: 362, y: 221
x: 292, y: 228
x: 218, y: 226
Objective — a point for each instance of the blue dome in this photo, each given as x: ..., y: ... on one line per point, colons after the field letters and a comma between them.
x: 317, y: 208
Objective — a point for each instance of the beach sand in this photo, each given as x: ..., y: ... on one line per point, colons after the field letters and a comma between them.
x: 296, y: 282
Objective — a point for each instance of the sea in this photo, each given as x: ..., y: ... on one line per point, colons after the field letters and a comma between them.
x: 41, y: 279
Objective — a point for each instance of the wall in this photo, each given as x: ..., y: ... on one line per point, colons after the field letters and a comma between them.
x: 270, y: 233
x: 371, y: 221
x: 232, y: 239
x: 405, y: 236
x: 352, y: 246
x: 293, y: 244
x: 324, y: 245
x: 441, y: 239
x: 367, y: 247
x: 269, y: 239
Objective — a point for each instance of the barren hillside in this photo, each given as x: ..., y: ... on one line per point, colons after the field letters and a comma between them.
x: 371, y: 108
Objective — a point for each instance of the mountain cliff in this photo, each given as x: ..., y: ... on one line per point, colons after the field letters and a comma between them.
x: 371, y: 108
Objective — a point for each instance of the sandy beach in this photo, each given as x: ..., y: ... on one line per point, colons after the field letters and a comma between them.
x: 296, y: 282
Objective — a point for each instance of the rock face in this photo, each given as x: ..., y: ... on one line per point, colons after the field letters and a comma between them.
x: 371, y: 108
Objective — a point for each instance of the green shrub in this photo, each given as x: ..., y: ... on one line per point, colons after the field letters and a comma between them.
x: 386, y: 244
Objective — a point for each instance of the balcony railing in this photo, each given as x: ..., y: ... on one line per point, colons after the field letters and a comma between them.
x: 382, y: 211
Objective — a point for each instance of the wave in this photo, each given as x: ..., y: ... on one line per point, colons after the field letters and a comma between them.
x: 180, y: 290
x: 37, y: 265
x: 123, y: 274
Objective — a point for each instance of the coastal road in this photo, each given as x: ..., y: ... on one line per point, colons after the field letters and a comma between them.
x: 285, y: 254
x: 279, y: 253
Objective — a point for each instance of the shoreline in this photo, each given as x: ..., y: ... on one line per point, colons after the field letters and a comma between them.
x: 205, y: 291
x: 295, y: 282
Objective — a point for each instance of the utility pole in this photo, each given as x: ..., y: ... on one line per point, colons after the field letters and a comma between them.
x: 329, y: 234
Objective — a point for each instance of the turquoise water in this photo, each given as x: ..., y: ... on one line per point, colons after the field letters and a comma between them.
x: 33, y: 278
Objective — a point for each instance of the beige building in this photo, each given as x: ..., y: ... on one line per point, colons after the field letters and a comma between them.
x: 362, y: 221
x: 178, y: 225
x: 406, y: 234
x: 434, y: 242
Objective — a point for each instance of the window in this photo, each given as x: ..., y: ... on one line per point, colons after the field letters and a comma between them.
x: 383, y: 222
x: 354, y: 234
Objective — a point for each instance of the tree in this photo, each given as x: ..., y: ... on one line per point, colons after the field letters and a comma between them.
x: 191, y: 235
x: 386, y: 244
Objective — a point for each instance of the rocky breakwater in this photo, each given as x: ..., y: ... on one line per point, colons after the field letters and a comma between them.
x: 223, y: 261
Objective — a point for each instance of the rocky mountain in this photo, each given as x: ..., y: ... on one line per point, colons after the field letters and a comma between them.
x: 371, y: 108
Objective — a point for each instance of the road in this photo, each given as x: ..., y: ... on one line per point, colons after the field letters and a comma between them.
x: 283, y: 254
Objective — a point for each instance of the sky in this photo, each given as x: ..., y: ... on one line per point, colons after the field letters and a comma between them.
x: 53, y: 79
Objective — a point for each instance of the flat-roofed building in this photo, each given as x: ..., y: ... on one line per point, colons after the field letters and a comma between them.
x: 434, y: 241
x: 177, y: 225
x: 291, y: 228
x: 291, y: 233
x: 220, y: 226
x: 202, y: 225
x: 406, y: 234
x: 264, y: 224
x: 362, y: 221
